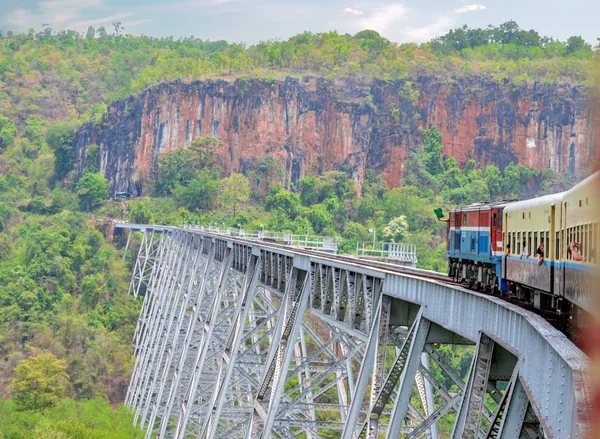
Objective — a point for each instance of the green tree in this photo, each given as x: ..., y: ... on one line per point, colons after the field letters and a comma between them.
x: 282, y: 199
x: 40, y: 382
x: 493, y: 177
x: 434, y: 151
x: 396, y: 230
x: 235, y: 192
x: 93, y: 159
x: 200, y: 193
x: 141, y: 211
x: 61, y: 137
x: 307, y: 187
x: 268, y: 171
x: 576, y: 43
x: 92, y: 189
x: 8, y: 132
x: 180, y: 166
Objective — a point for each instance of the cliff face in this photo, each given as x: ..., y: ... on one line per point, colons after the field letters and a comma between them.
x: 312, y: 126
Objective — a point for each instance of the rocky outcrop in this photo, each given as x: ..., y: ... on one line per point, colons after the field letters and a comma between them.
x: 313, y: 125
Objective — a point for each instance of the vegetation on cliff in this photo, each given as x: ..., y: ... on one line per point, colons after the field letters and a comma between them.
x: 67, y: 75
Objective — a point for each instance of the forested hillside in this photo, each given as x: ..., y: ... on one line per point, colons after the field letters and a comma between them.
x: 65, y: 318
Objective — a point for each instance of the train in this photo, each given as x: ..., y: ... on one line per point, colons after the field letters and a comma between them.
x: 540, y: 251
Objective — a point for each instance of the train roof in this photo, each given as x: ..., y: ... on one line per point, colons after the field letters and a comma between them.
x: 482, y: 206
x: 535, y: 202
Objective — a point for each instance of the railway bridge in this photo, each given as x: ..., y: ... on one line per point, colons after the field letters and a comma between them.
x: 239, y: 338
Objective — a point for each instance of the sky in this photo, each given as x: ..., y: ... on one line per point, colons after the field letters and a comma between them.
x: 251, y: 21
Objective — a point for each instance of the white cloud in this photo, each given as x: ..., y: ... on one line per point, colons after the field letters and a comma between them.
x: 102, y: 20
x: 381, y: 19
x: 470, y: 8
x: 75, y: 15
x: 350, y: 11
x: 187, y: 4
x: 133, y: 23
x: 72, y: 4
x: 425, y: 33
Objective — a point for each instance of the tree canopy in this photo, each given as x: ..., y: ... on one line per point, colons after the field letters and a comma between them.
x: 40, y: 382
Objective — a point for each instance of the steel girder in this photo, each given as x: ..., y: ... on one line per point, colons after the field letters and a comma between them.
x: 239, y: 339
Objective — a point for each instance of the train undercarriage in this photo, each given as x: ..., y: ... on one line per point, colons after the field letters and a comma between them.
x: 479, y: 276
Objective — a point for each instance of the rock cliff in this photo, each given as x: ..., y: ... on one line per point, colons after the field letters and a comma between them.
x: 313, y: 125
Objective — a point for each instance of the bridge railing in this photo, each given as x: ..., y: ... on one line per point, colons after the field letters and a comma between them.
x: 387, y: 250
x: 317, y: 242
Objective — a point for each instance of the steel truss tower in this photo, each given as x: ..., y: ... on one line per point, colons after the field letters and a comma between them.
x: 240, y: 339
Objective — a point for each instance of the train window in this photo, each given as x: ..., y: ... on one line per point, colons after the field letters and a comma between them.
x: 494, y: 220
x: 594, y: 242
x: 464, y: 219
x: 529, y: 249
x: 569, y: 239
x: 591, y: 242
x: 523, y: 215
x: 573, y: 237
x: 500, y: 221
x: 579, y: 203
x: 535, y: 243
x: 586, y: 242
x: 519, y: 243
x: 473, y: 243
x: 557, y: 254
x: 582, y: 240
x: 588, y: 228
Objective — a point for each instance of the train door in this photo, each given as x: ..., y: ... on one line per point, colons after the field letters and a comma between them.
x: 496, y: 232
x: 563, y: 249
x: 552, y: 254
x: 483, y: 221
x: 505, y: 241
x: 450, y: 232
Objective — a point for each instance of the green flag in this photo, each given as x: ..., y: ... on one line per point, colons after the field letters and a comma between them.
x: 439, y: 213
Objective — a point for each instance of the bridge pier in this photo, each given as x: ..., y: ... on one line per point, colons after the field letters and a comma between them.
x: 251, y: 340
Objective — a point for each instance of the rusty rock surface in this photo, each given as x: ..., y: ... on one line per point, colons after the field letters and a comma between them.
x: 313, y: 125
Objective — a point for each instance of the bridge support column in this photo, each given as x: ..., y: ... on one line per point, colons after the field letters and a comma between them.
x: 172, y: 286
x: 285, y: 337
x: 145, y: 261
x: 192, y: 288
x: 404, y: 370
x: 207, y: 328
x: 146, y: 323
x: 472, y: 406
x: 184, y: 288
x: 364, y: 373
x: 231, y: 348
